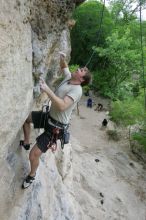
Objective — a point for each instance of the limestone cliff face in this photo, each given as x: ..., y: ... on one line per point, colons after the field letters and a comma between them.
x: 31, y: 34
x: 15, y: 71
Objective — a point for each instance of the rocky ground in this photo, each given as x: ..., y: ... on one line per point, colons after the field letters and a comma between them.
x: 109, y: 182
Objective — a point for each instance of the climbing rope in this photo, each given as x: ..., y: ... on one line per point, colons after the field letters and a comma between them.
x: 99, y: 33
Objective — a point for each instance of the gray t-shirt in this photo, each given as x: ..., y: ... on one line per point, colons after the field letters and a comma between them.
x: 66, y: 89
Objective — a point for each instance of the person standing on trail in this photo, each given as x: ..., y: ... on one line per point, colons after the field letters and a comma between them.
x: 89, y: 102
x: 56, y: 121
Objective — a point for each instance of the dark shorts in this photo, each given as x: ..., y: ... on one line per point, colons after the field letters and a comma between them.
x: 43, y: 141
x: 40, y: 120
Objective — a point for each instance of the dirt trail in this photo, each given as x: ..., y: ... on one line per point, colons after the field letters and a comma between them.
x: 110, y: 184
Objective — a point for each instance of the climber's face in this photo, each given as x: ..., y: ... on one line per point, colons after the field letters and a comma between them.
x: 79, y: 74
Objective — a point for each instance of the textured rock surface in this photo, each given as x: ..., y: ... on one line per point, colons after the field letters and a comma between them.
x: 15, y: 71
x: 51, y: 195
x: 49, y: 33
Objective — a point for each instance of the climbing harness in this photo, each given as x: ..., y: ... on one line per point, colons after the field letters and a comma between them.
x: 53, y: 142
x: 57, y: 131
x: 54, y: 130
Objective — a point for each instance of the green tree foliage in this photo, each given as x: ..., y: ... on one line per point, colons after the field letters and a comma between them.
x: 117, y: 56
x: 129, y: 111
x: 85, y: 33
x: 117, y: 60
x: 72, y: 68
x: 121, y: 61
x: 140, y: 136
x: 123, y: 11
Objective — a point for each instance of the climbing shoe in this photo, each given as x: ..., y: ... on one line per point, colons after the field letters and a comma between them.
x: 28, y: 181
x: 26, y: 146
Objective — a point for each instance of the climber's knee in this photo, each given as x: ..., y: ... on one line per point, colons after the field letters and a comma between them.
x: 35, y: 153
x: 29, y: 119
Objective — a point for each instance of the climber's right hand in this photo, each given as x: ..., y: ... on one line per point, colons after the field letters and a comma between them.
x: 43, y: 86
x: 62, y: 55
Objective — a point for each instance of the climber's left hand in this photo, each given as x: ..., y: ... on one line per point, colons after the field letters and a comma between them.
x: 43, y: 86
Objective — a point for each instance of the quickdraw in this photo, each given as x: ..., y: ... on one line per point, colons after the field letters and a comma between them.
x: 53, y: 142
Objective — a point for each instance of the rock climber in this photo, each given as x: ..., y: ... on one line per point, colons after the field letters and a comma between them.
x: 55, y: 122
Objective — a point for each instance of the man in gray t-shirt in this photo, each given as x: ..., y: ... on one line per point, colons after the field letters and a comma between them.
x: 63, y: 101
x: 73, y: 93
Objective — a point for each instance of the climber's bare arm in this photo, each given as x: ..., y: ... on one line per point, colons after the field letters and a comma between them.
x: 63, y: 63
x: 61, y: 104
